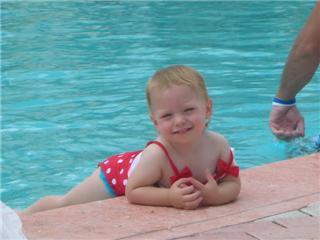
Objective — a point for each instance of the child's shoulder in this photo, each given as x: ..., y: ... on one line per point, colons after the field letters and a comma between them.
x: 217, y: 138
x: 222, y: 144
x: 154, y: 150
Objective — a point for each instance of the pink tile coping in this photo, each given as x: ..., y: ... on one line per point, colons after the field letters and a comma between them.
x: 306, y: 227
x: 266, y: 191
x: 297, y: 228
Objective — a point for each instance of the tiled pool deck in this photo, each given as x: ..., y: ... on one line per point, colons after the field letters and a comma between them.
x: 278, y: 201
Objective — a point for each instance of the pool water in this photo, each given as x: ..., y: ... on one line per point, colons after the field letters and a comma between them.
x: 74, y: 73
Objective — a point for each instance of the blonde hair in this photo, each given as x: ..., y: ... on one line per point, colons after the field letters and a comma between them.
x: 177, y: 75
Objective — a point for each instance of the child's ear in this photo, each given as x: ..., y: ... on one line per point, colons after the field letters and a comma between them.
x: 152, y: 118
x: 209, y: 108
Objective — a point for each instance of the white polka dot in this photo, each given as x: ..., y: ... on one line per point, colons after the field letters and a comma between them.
x: 130, y: 160
x: 114, y: 181
x: 108, y: 170
x: 125, y: 181
x: 120, y: 160
x: 105, y: 162
x: 121, y: 171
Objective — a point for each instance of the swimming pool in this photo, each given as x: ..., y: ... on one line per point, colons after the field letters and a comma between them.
x: 73, y: 77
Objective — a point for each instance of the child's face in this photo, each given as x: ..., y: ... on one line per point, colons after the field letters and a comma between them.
x: 179, y: 114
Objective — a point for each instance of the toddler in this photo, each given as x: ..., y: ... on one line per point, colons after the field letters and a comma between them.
x: 185, y: 167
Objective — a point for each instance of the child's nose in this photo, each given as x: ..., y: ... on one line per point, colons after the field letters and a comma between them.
x: 179, y: 119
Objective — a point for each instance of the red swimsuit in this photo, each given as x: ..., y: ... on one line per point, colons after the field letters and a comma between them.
x: 116, y: 168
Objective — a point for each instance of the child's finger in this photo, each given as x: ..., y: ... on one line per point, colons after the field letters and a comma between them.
x: 209, y: 175
x: 193, y: 204
x: 187, y: 190
x: 191, y: 197
x: 198, y: 185
x: 182, y: 181
x: 182, y: 185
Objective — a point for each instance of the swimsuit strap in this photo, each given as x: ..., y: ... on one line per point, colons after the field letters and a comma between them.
x: 227, y: 168
x: 231, y: 162
x: 173, y: 166
x: 231, y: 158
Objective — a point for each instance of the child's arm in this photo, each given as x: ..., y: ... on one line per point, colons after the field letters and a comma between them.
x: 141, y: 187
x: 179, y: 197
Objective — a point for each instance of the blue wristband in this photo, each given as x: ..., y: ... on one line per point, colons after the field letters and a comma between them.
x: 280, y: 102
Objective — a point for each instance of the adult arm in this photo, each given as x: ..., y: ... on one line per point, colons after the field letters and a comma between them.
x: 285, y: 120
x: 303, y: 59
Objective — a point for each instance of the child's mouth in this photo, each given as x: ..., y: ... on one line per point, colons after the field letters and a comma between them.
x: 182, y: 131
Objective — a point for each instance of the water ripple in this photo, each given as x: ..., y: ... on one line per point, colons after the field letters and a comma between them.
x: 73, y: 81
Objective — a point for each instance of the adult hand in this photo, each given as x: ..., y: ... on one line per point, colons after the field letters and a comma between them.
x: 183, y: 195
x: 209, y: 190
x: 286, y: 122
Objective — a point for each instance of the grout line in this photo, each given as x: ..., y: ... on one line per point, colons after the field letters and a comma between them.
x: 249, y: 234
x: 181, y: 237
x: 279, y: 224
x: 306, y: 213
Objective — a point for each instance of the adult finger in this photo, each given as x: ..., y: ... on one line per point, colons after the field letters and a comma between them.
x: 300, y: 128
x: 277, y: 131
x: 283, y: 135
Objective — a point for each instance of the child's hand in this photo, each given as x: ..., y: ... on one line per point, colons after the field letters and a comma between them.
x: 209, y: 190
x: 185, y: 196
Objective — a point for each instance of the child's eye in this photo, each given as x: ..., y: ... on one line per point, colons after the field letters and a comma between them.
x: 189, y: 109
x: 166, y: 115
